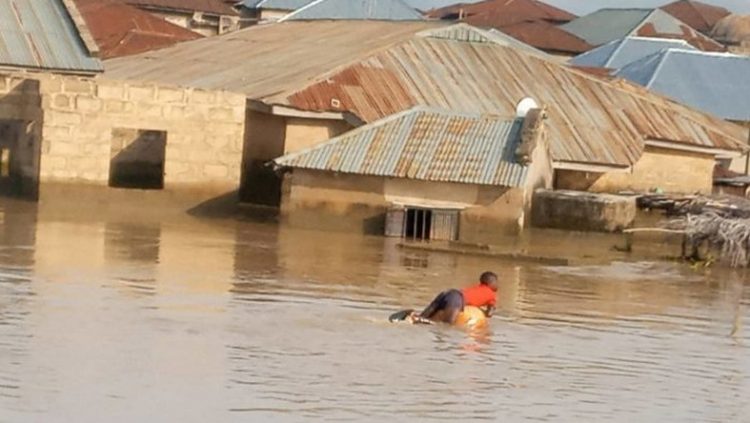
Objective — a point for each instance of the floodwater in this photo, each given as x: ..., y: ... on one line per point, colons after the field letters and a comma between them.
x: 193, y: 320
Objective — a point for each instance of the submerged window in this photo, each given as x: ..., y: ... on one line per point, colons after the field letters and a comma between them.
x: 137, y: 158
x: 420, y: 223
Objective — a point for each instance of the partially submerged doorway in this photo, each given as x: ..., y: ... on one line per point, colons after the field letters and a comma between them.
x: 19, y: 158
x: 137, y: 158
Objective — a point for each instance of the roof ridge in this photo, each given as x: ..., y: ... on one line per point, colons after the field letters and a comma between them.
x: 638, y: 25
x: 81, y: 28
x: 615, y: 51
x: 664, y: 55
x: 356, y: 131
x: 326, y: 75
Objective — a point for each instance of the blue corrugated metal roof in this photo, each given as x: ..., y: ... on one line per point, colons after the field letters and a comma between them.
x: 385, y: 10
x: 42, y: 35
x: 619, y: 53
x: 424, y: 144
x: 282, y: 4
x: 716, y: 83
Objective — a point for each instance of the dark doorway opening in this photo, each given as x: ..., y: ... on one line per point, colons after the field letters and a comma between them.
x: 137, y: 158
x: 19, y: 158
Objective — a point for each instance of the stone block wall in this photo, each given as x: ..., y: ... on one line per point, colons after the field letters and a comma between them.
x: 582, y: 211
x: 82, y: 117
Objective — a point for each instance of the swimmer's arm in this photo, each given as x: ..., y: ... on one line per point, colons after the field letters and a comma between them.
x: 489, y: 310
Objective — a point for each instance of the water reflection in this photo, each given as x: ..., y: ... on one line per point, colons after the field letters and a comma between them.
x: 189, y: 319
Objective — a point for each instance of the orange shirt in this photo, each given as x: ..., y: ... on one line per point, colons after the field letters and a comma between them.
x: 479, y: 296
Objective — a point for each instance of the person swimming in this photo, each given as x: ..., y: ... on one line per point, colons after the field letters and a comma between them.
x: 448, y: 305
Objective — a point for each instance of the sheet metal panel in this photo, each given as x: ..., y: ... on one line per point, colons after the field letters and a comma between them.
x: 376, y: 69
x: 590, y: 120
x: 424, y: 144
x: 716, y: 83
x: 618, y: 53
x: 41, y: 34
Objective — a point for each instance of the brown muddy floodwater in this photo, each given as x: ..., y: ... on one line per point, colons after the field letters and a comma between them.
x: 197, y: 320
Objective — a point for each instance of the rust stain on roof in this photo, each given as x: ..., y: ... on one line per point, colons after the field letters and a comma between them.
x: 547, y: 37
x: 122, y: 30
x: 218, y: 7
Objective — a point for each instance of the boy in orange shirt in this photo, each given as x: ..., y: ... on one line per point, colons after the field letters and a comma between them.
x: 483, y: 294
x: 448, y: 304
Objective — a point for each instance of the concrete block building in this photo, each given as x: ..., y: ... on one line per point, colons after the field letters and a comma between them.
x: 78, y: 130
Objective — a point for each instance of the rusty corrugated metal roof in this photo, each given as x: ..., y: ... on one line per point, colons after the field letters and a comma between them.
x: 121, y: 30
x: 42, y: 35
x: 217, y: 7
x: 590, y: 121
x: 424, y: 144
x: 545, y: 36
x: 499, y: 13
x: 700, y: 16
x: 265, y: 60
x: 376, y: 69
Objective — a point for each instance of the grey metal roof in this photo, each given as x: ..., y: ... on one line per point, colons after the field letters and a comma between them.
x: 424, y: 144
x: 606, y: 25
x: 42, y: 35
x: 282, y: 4
x: 619, y: 53
x: 387, y: 10
x: 716, y: 83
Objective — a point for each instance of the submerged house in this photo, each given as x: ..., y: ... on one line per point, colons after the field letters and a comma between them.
x: 62, y: 123
x: 432, y: 174
x: 603, y: 136
x: 607, y: 25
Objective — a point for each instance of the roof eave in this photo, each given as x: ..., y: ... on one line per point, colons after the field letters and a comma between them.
x: 678, y: 146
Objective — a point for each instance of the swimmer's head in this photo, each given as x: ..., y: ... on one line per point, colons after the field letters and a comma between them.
x: 489, y: 279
